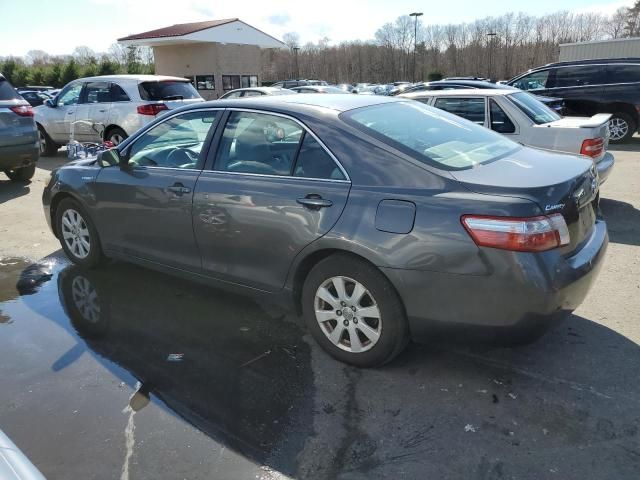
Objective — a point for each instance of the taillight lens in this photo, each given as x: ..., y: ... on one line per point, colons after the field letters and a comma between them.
x: 23, y: 110
x: 530, y: 234
x: 592, y: 147
x: 151, y: 108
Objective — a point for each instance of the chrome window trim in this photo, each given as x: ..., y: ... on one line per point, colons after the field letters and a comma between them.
x: 307, y: 130
x: 285, y: 177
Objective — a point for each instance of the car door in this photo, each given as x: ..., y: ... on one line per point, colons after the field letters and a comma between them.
x: 581, y: 88
x: 144, y: 210
x: 92, y: 113
x: 471, y: 108
x: 61, y: 116
x: 271, y: 189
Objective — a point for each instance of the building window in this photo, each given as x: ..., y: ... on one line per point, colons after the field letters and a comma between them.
x: 205, y: 82
x: 230, y: 82
x: 249, y: 81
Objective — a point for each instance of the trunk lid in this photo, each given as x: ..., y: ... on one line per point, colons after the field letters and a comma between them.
x: 557, y: 183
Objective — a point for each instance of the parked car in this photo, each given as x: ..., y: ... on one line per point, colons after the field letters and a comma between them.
x: 109, y: 107
x: 589, y: 87
x: 298, y: 83
x: 523, y: 118
x: 34, y: 88
x: 256, y: 92
x: 370, y: 214
x: 18, y: 135
x: 35, y: 98
x: 347, y: 87
x: 318, y: 89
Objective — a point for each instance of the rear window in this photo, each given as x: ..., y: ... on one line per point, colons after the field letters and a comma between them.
x: 432, y: 136
x: 167, y: 90
x: 533, y: 108
x: 6, y: 91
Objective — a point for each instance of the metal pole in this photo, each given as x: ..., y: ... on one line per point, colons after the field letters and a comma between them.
x: 415, y: 41
x: 295, y: 51
x: 490, y: 35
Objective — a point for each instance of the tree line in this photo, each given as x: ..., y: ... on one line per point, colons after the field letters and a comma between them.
x: 37, y: 67
x: 492, y: 47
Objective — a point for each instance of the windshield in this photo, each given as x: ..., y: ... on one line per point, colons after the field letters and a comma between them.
x: 167, y: 90
x: 534, y: 108
x: 432, y: 136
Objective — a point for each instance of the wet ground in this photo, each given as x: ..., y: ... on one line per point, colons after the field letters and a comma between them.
x: 125, y: 373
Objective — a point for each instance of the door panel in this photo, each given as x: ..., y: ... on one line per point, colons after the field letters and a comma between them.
x: 61, y: 118
x: 249, y: 228
x: 93, y: 112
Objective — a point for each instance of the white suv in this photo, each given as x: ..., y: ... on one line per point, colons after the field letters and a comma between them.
x: 109, y: 107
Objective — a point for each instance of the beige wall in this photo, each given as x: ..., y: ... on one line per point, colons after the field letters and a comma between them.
x: 206, y: 59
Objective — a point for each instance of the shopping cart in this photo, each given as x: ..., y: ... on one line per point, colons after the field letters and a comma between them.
x: 82, y: 150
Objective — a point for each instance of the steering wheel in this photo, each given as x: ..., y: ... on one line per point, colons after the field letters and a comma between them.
x: 181, y: 157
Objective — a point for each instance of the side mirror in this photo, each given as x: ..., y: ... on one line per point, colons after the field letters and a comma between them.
x: 111, y: 158
x: 49, y: 103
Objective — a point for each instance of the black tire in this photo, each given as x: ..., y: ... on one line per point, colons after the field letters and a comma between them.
x: 621, y: 128
x: 392, y: 327
x: 48, y: 148
x: 23, y: 174
x: 115, y: 135
x: 94, y: 256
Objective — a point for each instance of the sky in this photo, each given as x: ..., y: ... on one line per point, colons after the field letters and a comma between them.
x: 57, y: 27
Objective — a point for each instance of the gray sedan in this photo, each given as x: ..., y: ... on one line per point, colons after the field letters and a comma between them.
x: 380, y: 219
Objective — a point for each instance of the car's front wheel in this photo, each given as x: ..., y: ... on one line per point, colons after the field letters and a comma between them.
x: 621, y: 128
x: 23, y: 174
x: 77, y: 234
x: 353, y: 311
x: 116, y: 136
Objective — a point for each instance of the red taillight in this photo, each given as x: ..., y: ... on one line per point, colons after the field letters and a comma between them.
x: 592, y: 147
x: 151, y: 108
x: 23, y: 110
x: 531, y: 234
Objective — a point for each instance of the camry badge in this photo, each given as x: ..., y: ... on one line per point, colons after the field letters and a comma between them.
x: 557, y: 206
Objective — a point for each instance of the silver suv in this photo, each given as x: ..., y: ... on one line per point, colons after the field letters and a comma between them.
x: 109, y: 107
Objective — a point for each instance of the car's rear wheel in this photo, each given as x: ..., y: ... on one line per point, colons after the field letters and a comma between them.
x: 621, y: 128
x: 77, y: 234
x: 116, y: 135
x: 23, y: 174
x: 353, y: 311
x: 48, y: 147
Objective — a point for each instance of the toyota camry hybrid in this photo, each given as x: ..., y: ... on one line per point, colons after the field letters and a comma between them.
x: 379, y: 218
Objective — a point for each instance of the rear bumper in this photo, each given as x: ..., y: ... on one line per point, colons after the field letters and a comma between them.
x: 17, y: 156
x: 523, y: 291
x: 604, y: 166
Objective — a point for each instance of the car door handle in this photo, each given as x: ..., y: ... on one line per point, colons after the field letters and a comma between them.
x: 314, y: 202
x: 69, y: 113
x: 179, y: 189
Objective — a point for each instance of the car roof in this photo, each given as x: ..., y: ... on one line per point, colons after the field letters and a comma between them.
x: 470, y: 92
x: 131, y: 78
x: 260, y: 89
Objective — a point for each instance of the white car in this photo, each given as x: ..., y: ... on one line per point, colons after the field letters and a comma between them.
x: 109, y: 107
x: 521, y: 117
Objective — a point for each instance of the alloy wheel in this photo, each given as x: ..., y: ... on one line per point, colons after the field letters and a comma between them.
x: 43, y: 142
x: 85, y: 299
x: 348, y: 314
x: 618, y: 128
x: 76, y: 233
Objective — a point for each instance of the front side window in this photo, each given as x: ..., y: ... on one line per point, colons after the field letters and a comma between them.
x: 70, y: 95
x: 429, y: 135
x: 174, y: 143
x: 500, y: 122
x: 233, y: 95
x: 252, y: 93
x: 205, y: 82
x: 533, y: 108
x: 533, y: 81
x: 258, y: 143
x: 230, y: 82
x: 470, y: 108
x: 97, y: 92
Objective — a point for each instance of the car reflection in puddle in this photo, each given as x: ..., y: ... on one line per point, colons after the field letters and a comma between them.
x: 228, y: 366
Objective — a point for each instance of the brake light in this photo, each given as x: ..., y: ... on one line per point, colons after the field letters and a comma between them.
x: 592, y: 147
x: 23, y: 110
x: 151, y: 108
x: 530, y: 234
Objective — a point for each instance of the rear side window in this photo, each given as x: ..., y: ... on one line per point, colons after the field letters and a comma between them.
x: 7, y: 92
x: 500, y: 122
x: 429, y: 135
x: 167, y: 90
x: 118, y: 94
x: 470, y: 108
x: 623, y: 73
x: 579, y: 76
x: 314, y: 162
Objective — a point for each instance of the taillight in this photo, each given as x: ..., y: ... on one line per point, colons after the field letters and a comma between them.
x: 151, y: 108
x: 530, y: 234
x: 23, y: 110
x: 592, y: 147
